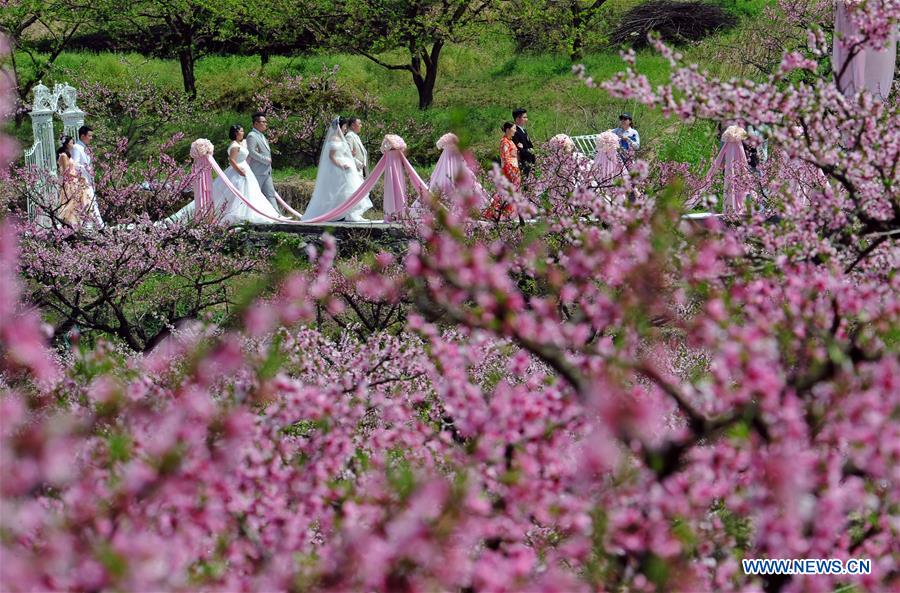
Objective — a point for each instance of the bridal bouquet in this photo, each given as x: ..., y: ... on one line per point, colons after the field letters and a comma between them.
x: 201, y: 148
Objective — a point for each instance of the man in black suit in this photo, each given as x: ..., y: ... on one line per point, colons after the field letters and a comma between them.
x: 520, y: 139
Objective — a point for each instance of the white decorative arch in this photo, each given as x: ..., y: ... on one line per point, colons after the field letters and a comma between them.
x: 42, y: 154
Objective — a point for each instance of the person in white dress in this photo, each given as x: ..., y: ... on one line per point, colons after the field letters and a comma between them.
x: 229, y: 208
x: 337, y: 178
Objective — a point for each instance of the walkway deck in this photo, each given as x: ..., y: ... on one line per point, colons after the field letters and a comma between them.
x: 379, y: 228
x: 374, y: 227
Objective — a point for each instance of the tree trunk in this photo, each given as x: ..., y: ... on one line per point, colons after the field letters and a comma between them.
x: 186, y: 57
x: 426, y: 91
x: 577, y: 45
x: 577, y: 41
x: 425, y: 84
x: 264, y: 57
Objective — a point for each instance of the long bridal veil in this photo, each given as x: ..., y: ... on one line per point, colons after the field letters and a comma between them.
x: 334, y: 183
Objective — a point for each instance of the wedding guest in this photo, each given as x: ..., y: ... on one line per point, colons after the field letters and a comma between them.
x: 629, y: 139
x: 74, y: 198
x: 359, y: 152
x: 522, y: 142
x: 83, y: 162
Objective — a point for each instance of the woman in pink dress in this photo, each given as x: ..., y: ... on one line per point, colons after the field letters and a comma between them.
x: 74, y: 196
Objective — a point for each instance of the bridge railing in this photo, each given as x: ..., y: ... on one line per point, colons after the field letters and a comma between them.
x: 586, y: 144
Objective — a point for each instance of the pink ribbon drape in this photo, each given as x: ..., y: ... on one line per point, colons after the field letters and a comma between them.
x: 733, y: 160
x: 393, y: 165
x: 607, y: 165
x: 394, y: 186
x: 355, y: 198
x: 450, y: 170
x: 871, y: 68
x: 416, y: 181
x: 202, y: 186
x: 215, y: 166
x: 449, y: 165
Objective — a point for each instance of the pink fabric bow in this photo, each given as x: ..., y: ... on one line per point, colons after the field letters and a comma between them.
x: 607, y: 165
x: 202, y: 173
x: 452, y: 172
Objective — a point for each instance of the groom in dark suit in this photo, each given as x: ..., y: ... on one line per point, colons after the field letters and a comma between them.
x: 521, y: 140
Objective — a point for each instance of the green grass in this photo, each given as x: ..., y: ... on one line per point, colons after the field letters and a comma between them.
x: 747, y: 8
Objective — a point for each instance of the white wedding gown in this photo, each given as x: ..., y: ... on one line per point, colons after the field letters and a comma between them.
x: 228, y: 207
x: 334, y: 183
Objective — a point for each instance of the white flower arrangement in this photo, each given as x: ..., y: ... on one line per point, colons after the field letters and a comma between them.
x: 392, y: 142
x: 201, y: 148
x: 734, y: 134
x: 447, y: 140
x: 562, y: 141
x: 607, y: 142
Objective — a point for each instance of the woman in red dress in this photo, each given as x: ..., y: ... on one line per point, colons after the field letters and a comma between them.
x: 509, y: 165
x: 509, y: 155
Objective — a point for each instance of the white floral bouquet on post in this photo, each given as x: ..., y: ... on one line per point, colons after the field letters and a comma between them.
x: 734, y: 134
x: 607, y: 141
x: 201, y: 148
x: 392, y: 142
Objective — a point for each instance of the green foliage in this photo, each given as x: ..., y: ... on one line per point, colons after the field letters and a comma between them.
x: 470, y: 101
x: 27, y: 65
x: 746, y: 8
x: 735, y: 526
x: 688, y: 143
x: 571, y: 27
x: 119, y: 446
x: 418, y: 29
x: 168, y: 28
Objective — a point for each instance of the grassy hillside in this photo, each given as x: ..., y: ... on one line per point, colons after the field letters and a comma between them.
x: 479, y: 84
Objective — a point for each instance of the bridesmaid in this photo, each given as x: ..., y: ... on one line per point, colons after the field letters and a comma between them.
x: 73, y: 193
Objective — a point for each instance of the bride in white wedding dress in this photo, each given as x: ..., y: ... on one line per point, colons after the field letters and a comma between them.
x: 337, y: 177
x: 228, y: 207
